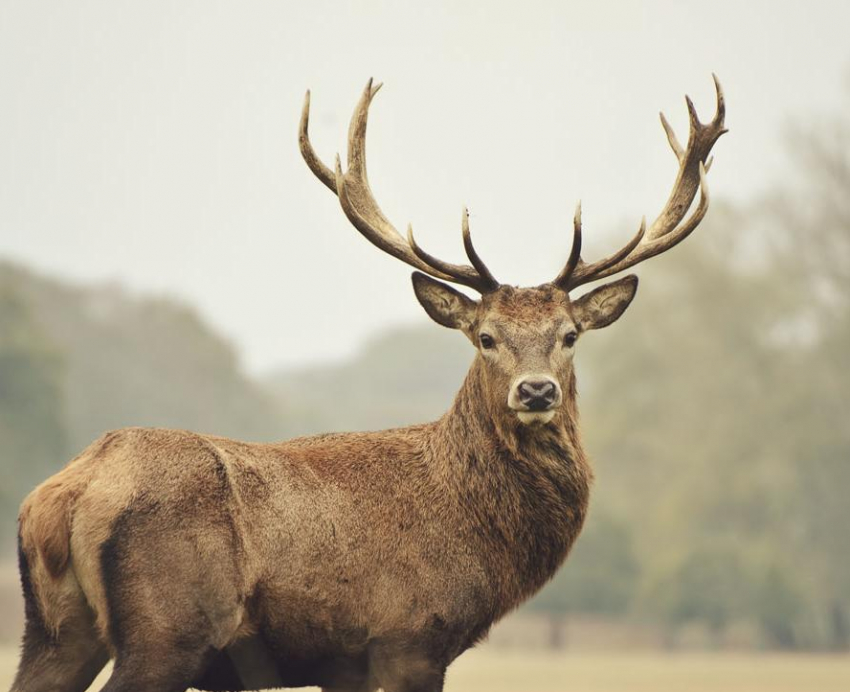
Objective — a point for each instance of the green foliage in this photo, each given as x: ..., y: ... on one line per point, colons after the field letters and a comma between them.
x: 405, y: 376
x: 777, y: 605
x: 149, y: 362
x: 708, y: 585
x: 602, y: 576
x: 32, y: 432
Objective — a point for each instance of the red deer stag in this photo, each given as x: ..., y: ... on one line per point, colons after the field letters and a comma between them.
x: 350, y: 561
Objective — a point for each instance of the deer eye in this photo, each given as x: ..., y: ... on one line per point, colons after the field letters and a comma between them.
x: 487, y: 341
x: 570, y: 339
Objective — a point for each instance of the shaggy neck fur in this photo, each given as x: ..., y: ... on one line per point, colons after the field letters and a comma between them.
x: 523, y: 489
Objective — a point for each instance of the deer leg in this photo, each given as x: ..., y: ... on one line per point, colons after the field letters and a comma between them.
x: 168, y: 656
x: 415, y: 679
x: 406, y: 669
x: 66, y: 662
x: 167, y: 645
x: 162, y: 669
x: 170, y: 613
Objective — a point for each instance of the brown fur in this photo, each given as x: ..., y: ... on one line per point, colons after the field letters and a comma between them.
x: 351, y: 560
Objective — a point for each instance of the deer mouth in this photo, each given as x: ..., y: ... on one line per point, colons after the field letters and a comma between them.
x: 536, y: 417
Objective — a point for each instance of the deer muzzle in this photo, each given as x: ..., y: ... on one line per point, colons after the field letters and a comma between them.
x: 535, y: 398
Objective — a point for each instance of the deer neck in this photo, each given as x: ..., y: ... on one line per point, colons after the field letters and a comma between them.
x: 480, y: 423
x: 523, y: 489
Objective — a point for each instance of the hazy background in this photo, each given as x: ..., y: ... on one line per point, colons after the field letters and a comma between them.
x: 166, y: 258
x: 155, y: 143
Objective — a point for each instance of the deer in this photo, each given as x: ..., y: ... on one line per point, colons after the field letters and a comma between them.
x: 350, y: 561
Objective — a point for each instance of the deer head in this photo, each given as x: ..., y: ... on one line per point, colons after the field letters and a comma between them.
x: 525, y: 337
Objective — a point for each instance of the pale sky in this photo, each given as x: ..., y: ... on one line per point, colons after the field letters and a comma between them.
x: 154, y: 143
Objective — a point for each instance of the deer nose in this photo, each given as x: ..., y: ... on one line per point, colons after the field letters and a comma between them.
x: 537, y: 395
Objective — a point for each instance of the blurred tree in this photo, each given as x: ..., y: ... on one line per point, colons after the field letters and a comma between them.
x: 601, y: 578
x: 149, y: 362
x: 401, y: 377
x: 777, y: 605
x: 733, y: 393
x: 708, y: 585
x: 811, y: 250
x: 32, y: 434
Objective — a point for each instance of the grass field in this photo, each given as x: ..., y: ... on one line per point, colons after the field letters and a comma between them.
x: 497, y: 670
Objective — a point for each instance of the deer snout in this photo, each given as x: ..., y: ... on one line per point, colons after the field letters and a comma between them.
x: 536, y: 394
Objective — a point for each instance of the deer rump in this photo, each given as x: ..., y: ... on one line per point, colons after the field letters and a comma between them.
x: 331, y: 551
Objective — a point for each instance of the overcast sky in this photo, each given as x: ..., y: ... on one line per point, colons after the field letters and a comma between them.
x: 154, y: 143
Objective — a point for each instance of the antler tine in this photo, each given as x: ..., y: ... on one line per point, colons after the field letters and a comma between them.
x: 575, y: 252
x: 485, y: 281
x: 456, y: 271
x: 361, y: 208
x: 671, y: 137
x: 485, y: 274
x: 720, y: 113
x: 320, y: 170
x: 668, y: 229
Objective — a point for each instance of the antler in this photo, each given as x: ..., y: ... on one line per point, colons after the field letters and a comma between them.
x: 665, y: 231
x: 355, y: 197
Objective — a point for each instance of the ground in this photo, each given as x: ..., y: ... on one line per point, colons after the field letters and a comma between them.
x: 492, y: 669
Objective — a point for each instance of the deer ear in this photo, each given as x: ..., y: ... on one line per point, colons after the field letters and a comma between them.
x: 443, y: 304
x: 605, y: 304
